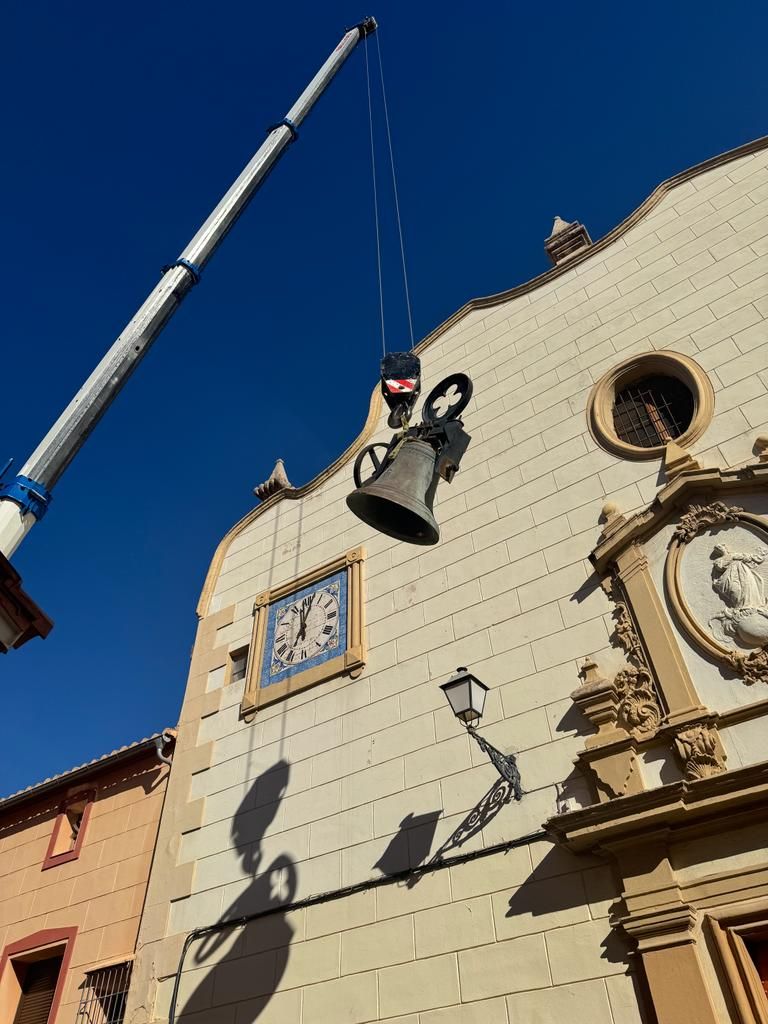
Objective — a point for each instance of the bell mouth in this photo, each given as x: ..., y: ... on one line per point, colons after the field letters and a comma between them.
x: 393, y: 518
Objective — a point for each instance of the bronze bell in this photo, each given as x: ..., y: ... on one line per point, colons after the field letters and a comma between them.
x: 399, y: 501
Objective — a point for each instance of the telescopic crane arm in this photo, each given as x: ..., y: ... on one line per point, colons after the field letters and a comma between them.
x: 24, y: 499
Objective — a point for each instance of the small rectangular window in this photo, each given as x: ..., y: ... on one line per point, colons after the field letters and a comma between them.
x: 104, y: 994
x: 238, y: 664
x: 69, y: 829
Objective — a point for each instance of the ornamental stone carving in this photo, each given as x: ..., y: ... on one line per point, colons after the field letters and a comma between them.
x: 276, y: 481
x: 742, y: 589
x: 753, y: 668
x: 699, y: 517
x: 700, y: 752
x: 638, y: 710
x: 716, y: 576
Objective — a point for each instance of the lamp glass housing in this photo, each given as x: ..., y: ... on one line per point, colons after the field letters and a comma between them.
x: 466, y: 695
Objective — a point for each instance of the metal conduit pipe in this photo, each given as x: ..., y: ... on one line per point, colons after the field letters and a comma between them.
x: 161, y: 742
x: 337, y: 894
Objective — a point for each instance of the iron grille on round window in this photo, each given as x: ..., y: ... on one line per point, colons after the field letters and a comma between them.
x: 104, y: 994
x: 652, y: 411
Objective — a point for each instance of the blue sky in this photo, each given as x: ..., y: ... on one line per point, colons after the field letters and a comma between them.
x: 123, y: 124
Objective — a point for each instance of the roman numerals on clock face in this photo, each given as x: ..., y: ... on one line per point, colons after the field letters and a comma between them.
x: 306, y: 627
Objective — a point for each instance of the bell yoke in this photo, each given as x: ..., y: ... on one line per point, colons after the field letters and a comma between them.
x: 395, y: 483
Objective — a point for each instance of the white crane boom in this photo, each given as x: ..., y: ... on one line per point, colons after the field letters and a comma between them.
x: 24, y: 499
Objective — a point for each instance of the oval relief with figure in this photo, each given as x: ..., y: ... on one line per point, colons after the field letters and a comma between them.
x: 717, y: 582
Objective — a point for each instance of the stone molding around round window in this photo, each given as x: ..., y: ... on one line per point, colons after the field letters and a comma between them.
x: 649, y: 364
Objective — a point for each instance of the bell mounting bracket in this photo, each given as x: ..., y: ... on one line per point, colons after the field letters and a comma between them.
x: 441, y: 426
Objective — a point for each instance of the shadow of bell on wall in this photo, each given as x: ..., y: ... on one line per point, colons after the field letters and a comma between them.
x: 250, y: 959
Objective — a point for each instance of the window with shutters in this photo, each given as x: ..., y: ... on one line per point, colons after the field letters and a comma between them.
x: 69, y: 829
x: 33, y: 973
x: 38, y: 981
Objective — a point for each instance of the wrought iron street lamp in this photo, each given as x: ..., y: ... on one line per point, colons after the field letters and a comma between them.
x: 466, y: 695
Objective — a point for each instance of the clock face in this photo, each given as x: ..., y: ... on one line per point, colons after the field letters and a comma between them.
x: 305, y: 629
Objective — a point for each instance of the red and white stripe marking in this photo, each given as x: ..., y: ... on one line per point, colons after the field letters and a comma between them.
x: 398, y: 386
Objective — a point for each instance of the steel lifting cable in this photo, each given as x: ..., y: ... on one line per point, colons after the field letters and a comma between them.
x: 375, y: 200
x: 376, y: 194
x: 394, y: 190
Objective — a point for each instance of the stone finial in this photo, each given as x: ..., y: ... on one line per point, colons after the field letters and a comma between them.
x: 567, y: 239
x: 596, y: 698
x: 590, y: 672
x: 558, y: 226
x: 677, y: 460
x: 278, y: 481
x: 760, y: 447
x: 610, y: 518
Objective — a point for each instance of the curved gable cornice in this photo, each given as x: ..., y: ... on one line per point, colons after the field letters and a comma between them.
x: 484, y: 302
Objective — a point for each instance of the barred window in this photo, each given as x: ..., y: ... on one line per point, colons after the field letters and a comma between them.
x: 104, y: 994
x: 652, y: 411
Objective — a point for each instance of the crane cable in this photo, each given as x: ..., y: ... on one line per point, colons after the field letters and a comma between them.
x: 376, y: 198
x: 375, y: 202
x: 394, y: 189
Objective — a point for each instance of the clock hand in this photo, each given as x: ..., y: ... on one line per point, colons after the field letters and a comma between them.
x: 302, y: 621
x: 307, y: 603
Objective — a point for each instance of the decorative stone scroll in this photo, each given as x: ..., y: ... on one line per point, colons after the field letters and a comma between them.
x: 639, y: 710
x: 701, y: 517
x: 722, y: 604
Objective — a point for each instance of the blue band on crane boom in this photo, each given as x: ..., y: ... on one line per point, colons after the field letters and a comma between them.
x: 193, y: 268
x: 285, y: 123
x: 28, y: 494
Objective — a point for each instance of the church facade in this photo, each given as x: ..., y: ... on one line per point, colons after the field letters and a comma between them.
x: 335, y: 847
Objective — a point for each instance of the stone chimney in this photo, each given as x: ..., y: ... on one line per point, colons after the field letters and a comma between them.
x: 567, y: 239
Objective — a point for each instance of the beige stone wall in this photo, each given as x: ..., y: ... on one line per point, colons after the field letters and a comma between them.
x: 324, y: 780
x: 102, y: 892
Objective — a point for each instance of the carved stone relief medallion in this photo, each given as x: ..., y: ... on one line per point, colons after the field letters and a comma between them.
x: 717, y: 580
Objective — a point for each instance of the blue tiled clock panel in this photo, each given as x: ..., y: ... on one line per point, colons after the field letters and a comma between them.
x: 273, y: 669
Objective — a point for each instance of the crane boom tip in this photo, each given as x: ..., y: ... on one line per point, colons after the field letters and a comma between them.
x: 367, y: 26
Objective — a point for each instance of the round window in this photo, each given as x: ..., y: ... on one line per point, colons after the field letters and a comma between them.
x: 642, y: 404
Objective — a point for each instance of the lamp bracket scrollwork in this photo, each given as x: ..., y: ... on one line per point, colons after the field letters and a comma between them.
x: 505, y: 764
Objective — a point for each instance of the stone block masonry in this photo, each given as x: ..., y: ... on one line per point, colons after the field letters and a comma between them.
x: 359, y: 778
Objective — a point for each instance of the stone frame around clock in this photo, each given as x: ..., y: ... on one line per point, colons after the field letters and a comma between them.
x: 350, y: 662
